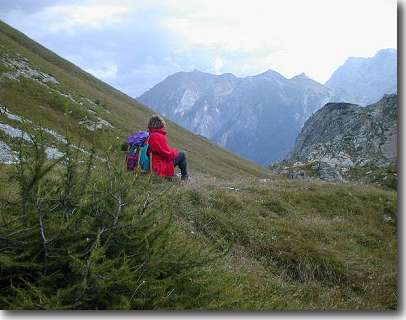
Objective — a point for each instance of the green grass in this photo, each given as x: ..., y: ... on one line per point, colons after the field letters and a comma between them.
x: 260, y: 245
x: 308, y: 245
x: 279, y: 245
x: 385, y: 176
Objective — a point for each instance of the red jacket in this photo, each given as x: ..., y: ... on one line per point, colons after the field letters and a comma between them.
x: 162, y: 154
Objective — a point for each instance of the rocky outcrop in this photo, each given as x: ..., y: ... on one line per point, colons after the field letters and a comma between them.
x: 19, y: 66
x: 7, y: 155
x: 342, y: 137
x: 13, y: 133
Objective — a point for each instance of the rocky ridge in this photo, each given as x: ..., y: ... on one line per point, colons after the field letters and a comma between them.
x: 341, y: 140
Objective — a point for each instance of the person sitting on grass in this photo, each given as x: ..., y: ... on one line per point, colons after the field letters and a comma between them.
x: 164, y: 157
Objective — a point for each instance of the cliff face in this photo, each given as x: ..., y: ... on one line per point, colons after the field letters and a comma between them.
x: 364, y: 135
x: 342, y: 137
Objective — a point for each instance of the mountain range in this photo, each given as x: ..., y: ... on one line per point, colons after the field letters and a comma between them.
x: 259, y: 117
x: 89, y: 235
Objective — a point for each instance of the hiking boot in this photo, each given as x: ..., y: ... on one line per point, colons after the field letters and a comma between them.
x: 184, y: 178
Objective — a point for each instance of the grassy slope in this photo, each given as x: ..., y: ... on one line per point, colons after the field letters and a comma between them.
x: 126, y: 114
x: 292, y: 244
x: 301, y: 245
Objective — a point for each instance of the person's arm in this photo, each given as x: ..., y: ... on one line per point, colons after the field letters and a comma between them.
x: 161, y: 147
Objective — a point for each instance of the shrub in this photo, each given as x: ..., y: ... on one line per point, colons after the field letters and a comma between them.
x: 88, y: 235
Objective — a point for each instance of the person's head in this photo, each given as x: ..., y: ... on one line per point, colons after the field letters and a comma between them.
x: 156, y: 122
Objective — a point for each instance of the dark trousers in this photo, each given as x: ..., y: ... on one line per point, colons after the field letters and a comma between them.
x: 181, y: 162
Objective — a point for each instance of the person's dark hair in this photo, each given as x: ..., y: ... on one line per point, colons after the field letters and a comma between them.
x: 156, y: 122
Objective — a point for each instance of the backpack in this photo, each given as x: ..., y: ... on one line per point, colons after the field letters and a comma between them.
x: 144, y: 160
x: 137, y: 151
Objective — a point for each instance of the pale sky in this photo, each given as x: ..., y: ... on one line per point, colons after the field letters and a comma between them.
x: 133, y: 45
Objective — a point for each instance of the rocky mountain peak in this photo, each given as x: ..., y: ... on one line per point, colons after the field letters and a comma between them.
x: 301, y: 76
x: 271, y: 74
x: 368, y: 79
x: 387, y: 52
x: 342, y: 138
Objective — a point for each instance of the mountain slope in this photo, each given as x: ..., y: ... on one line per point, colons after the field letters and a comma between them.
x: 96, y: 237
x: 342, y: 138
x: 40, y: 86
x: 368, y: 79
x: 256, y: 117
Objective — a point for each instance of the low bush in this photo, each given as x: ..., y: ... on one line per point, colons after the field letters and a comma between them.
x: 87, y: 235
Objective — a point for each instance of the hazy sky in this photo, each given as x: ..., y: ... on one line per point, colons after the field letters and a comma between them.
x: 135, y: 44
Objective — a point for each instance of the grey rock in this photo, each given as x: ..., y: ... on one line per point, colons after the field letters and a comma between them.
x: 329, y: 173
x: 98, y: 123
x: 7, y: 155
x: 341, y: 136
x: 6, y: 113
x: 53, y: 153
x: 296, y: 174
x: 22, y: 68
x: 15, y: 132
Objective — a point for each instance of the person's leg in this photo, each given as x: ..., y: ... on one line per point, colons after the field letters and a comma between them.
x: 181, y: 162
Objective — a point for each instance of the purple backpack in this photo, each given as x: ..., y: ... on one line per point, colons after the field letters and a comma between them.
x: 138, y: 138
x: 135, y: 141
